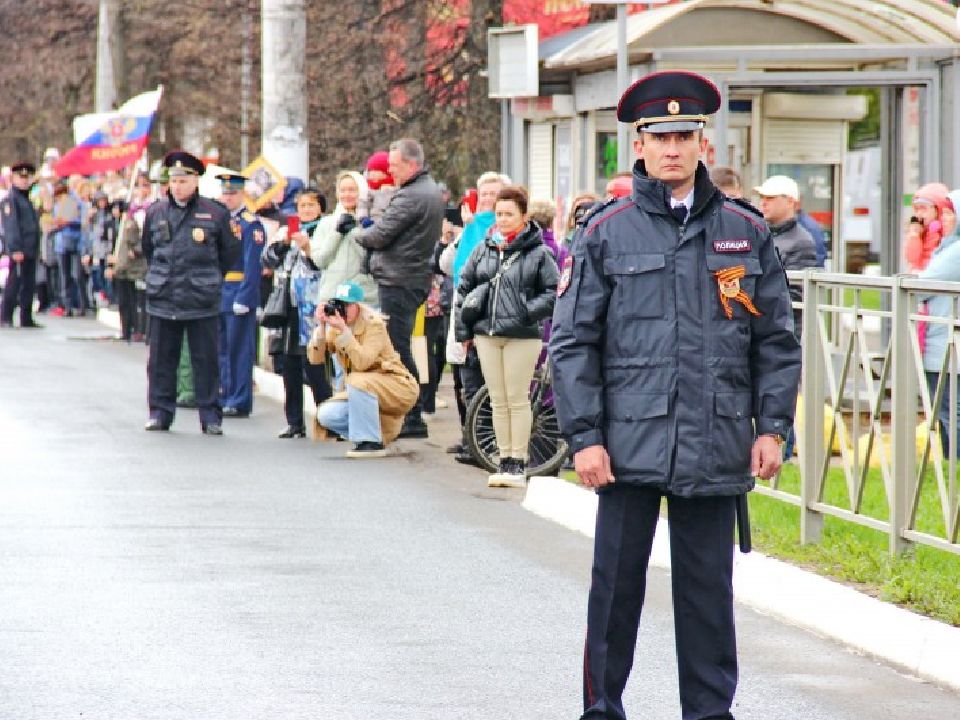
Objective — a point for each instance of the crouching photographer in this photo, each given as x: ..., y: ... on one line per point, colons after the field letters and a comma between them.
x: 378, y: 389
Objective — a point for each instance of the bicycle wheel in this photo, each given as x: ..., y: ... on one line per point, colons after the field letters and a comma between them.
x: 481, y: 439
x: 546, y: 450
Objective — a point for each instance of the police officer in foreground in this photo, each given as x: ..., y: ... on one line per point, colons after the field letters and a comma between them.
x: 189, y: 245
x: 676, y: 372
x: 21, y: 241
x: 239, y: 302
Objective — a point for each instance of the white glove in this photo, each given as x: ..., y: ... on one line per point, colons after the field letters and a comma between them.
x: 239, y: 309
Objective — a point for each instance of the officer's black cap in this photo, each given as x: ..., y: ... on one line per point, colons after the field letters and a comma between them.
x: 669, y: 101
x: 232, y: 182
x: 24, y: 169
x: 180, y: 162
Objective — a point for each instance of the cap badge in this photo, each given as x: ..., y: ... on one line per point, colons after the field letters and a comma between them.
x: 673, y: 107
x: 728, y: 282
x: 198, y: 235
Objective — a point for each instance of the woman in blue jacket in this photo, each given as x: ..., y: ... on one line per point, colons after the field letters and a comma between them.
x: 944, y: 265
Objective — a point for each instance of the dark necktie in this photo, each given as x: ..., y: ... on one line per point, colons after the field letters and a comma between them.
x: 680, y: 213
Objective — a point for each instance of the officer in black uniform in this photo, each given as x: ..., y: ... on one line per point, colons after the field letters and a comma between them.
x: 189, y: 245
x: 675, y: 372
x: 21, y: 233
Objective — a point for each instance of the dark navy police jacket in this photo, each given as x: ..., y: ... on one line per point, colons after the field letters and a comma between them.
x: 188, y: 250
x: 646, y: 361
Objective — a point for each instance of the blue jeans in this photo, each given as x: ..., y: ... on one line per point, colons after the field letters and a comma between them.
x: 357, y: 418
x: 944, y: 411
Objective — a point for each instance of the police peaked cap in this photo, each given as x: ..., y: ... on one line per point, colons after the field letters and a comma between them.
x: 24, y: 169
x: 232, y: 182
x: 180, y: 162
x: 669, y: 101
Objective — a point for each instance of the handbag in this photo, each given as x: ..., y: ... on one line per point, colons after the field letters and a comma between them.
x: 278, y: 304
x: 476, y: 301
x: 475, y: 304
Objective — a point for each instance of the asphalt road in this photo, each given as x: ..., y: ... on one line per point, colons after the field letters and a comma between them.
x: 168, y: 576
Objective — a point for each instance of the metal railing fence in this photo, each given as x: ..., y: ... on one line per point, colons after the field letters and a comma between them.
x: 868, y: 439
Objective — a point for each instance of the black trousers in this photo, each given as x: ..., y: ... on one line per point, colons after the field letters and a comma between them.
x: 435, y: 330
x: 166, y: 340
x: 400, y: 305
x: 126, y: 294
x: 467, y: 380
x: 296, y: 369
x: 21, y: 281
x: 701, y: 556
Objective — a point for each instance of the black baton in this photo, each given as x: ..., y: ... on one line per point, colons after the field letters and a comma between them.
x: 743, y: 524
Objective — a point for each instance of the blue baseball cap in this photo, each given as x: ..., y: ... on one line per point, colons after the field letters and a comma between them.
x: 349, y: 292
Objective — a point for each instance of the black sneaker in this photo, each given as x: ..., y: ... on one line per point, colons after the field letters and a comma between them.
x: 367, y: 450
x: 414, y: 428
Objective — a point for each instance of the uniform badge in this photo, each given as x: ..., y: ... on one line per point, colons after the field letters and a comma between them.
x: 198, y: 235
x: 258, y: 237
x: 733, y: 245
x: 237, y: 231
x: 566, y: 275
x: 728, y: 283
x: 673, y: 107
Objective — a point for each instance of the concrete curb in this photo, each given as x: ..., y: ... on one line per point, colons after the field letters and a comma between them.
x: 914, y: 644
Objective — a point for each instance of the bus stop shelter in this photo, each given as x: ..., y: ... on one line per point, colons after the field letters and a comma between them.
x: 785, y: 69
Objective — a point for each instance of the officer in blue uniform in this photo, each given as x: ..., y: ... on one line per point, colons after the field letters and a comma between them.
x: 675, y: 376
x: 239, y: 302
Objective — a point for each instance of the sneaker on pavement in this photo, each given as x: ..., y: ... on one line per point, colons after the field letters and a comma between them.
x: 510, y: 475
x: 414, y: 428
x: 367, y: 450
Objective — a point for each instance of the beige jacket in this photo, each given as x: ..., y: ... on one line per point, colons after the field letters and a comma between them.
x: 372, y: 365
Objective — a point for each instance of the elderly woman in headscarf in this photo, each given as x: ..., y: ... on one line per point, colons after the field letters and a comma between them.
x: 334, y: 250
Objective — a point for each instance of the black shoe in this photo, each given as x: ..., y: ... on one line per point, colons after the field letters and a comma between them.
x: 211, y: 429
x: 519, y: 467
x: 32, y: 324
x: 414, y: 428
x: 457, y: 449
x: 465, y: 458
x: 234, y: 413
x: 156, y: 425
x: 293, y: 432
x: 367, y: 450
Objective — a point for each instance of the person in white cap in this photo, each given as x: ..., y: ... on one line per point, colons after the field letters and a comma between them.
x: 779, y: 202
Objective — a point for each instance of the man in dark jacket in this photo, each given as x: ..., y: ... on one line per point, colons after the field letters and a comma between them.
x: 189, y: 245
x: 675, y: 373
x: 401, y: 248
x: 779, y: 203
x: 21, y: 233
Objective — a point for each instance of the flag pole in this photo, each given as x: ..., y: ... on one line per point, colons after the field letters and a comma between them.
x: 125, y: 216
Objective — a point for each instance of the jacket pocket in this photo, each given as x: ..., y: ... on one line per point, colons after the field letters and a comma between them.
x: 636, y: 437
x: 204, y: 289
x: 746, y: 284
x: 638, y: 283
x: 732, y: 435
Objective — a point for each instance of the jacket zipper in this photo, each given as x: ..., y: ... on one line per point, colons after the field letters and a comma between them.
x: 496, y: 296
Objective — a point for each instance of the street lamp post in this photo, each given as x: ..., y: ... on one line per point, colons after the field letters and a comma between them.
x: 623, y: 69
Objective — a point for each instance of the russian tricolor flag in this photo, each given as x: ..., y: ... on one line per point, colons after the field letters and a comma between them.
x: 118, y: 140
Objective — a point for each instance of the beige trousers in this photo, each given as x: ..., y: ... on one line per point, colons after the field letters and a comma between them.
x: 508, y: 365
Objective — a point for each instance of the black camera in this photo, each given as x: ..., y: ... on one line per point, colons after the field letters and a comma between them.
x: 335, y: 307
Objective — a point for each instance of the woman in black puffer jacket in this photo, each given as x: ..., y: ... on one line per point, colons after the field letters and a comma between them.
x: 506, y: 291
